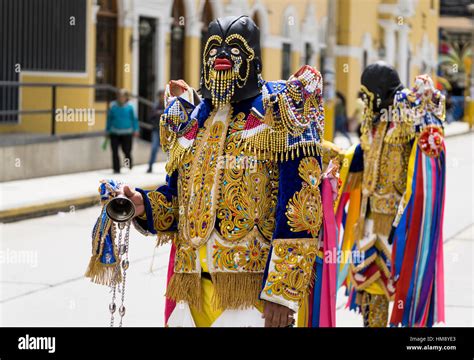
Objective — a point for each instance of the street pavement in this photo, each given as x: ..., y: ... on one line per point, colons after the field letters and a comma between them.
x: 67, y: 192
x: 42, y: 261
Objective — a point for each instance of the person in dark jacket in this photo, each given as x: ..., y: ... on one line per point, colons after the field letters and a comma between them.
x: 341, y: 116
x: 156, y: 112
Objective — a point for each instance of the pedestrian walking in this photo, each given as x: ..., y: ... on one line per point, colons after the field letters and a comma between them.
x: 122, y: 126
x: 156, y: 112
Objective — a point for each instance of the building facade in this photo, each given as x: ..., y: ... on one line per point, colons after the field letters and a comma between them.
x: 141, y: 44
x: 403, y: 33
x: 455, y: 59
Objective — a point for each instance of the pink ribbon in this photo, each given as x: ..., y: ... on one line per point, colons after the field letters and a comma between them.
x: 170, y: 304
x: 327, y: 317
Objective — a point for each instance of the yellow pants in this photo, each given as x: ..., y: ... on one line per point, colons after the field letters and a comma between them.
x: 208, y: 314
x: 375, y: 288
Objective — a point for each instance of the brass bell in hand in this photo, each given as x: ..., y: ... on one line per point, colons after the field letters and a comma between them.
x: 120, y: 209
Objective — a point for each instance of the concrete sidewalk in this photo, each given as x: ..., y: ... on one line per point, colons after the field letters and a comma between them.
x: 35, y: 197
x: 41, y: 196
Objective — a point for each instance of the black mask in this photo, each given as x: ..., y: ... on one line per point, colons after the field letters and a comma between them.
x: 231, y: 60
x: 380, y: 82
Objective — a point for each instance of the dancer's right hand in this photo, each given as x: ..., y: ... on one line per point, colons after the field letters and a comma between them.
x: 136, y: 198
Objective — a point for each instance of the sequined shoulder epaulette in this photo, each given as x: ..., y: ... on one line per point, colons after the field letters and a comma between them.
x: 291, y: 117
x: 429, y: 112
x: 179, y: 126
x: 400, y: 119
x: 428, y: 103
x: 285, y: 120
x: 416, y: 110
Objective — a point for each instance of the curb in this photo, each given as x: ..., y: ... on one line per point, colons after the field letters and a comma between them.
x: 461, y: 133
x: 35, y: 211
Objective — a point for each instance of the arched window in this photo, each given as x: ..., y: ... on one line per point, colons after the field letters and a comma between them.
x: 365, y: 59
x: 308, y: 54
x: 178, y: 28
x: 286, y: 48
x: 291, y: 38
x: 106, y: 46
x: 256, y: 19
x: 207, y: 17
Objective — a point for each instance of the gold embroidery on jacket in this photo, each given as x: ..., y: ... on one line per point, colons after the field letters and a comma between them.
x: 392, y: 177
x: 304, y: 209
x: 249, y: 257
x: 164, y: 211
x: 184, y: 174
x: 249, y: 190
x: 185, y: 259
x: 293, y: 261
x: 205, y: 181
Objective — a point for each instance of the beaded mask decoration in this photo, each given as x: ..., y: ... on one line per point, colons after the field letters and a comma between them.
x: 231, y: 61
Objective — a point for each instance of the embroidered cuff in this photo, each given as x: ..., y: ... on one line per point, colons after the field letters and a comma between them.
x: 164, y: 212
x: 160, y: 213
x: 290, y: 271
x: 141, y: 227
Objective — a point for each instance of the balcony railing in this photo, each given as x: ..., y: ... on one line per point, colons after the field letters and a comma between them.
x: 143, y: 103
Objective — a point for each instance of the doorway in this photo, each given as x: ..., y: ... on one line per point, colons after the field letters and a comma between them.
x: 147, y: 69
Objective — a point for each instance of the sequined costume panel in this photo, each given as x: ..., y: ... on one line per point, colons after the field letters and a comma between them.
x: 248, y: 193
x: 383, y: 184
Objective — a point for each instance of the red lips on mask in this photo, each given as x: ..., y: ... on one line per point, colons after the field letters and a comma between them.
x: 222, y: 64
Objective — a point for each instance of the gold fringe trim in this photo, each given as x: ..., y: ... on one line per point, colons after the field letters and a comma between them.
x: 176, y: 152
x: 364, y: 264
x: 374, y: 310
x: 185, y: 287
x: 163, y: 238
x: 272, y: 145
x: 176, y: 156
x: 383, y: 267
x: 167, y: 137
x: 269, y: 144
x: 382, y: 223
x: 236, y: 290
x: 103, y: 274
x: 381, y: 246
x: 402, y: 133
